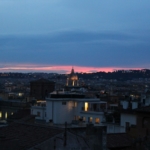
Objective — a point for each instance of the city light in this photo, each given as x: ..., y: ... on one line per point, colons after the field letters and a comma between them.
x: 57, y: 68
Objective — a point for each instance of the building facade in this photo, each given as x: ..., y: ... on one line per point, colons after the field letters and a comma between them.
x: 40, y: 89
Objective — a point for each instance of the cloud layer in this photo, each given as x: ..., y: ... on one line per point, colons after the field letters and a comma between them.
x: 100, y: 34
x: 105, y: 49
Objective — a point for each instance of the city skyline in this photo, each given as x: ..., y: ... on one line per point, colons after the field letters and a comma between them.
x: 25, y: 68
x: 53, y: 36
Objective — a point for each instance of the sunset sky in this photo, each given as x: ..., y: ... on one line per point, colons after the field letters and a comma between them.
x: 54, y: 35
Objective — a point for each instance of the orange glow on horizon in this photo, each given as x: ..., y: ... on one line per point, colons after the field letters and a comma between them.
x: 57, y: 68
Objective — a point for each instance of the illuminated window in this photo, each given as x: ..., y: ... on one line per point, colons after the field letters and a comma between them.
x: 5, y: 115
x: 12, y: 113
x: 86, y: 106
x: 97, y: 120
x: 90, y: 119
x: 75, y: 104
x: 0, y: 114
x: 20, y: 94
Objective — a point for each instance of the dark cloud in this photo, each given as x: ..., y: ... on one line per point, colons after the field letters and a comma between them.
x: 119, y: 49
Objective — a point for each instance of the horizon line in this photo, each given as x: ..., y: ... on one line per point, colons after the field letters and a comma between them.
x: 59, y: 68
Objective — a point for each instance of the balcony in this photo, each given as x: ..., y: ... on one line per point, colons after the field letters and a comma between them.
x: 96, y: 110
x: 39, y: 105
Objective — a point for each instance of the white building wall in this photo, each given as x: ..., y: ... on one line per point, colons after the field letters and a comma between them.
x: 94, y: 115
x: 60, y: 113
x: 78, y: 108
x: 65, y: 112
x: 49, y: 110
x: 134, y: 105
x: 35, y: 110
x: 131, y: 118
x: 147, y: 101
x: 125, y: 104
x: 111, y: 128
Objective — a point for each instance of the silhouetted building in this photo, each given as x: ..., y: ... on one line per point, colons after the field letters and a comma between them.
x: 40, y: 89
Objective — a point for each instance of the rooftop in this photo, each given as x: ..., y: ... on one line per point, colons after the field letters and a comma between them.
x: 42, y: 80
x: 67, y: 95
x: 119, y: 140
x: 144, y: 109
x: 23, y: 136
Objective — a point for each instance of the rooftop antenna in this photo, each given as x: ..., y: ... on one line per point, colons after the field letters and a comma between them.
x: 72, y: 71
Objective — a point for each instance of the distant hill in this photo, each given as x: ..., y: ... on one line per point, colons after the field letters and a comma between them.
x: 117, y: 74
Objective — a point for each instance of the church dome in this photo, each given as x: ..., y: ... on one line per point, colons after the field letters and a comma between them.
x: 73, y: 76
x: 72, y: 79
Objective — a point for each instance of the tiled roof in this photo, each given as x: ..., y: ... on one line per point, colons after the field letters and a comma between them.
x: 18, y: 136
x: 118, y: 140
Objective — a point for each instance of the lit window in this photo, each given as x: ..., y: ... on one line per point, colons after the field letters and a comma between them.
x: 97, y: 120
x: 75, y: 104
x: 5, y: 115
x: 0, y: 114
x: 90, y: 119
x: 86, y: 106
x: 20, y: 94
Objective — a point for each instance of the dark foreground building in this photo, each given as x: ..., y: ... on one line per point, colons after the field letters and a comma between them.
x: 25, y: 136
x: 40, y: 89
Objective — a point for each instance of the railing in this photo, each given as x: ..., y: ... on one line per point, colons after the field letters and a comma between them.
x: 40, y: 105
x: 96, y: 110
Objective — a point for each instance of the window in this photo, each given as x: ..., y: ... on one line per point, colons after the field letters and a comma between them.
x: 97, y: 120
x: 90, y: 119
x: 5, y: 115
x: 63, y: 103
x: 38, y: 114
x: 84, y: 119
x: 75, y: 104
x: 86, y: 106
x: 0, y: 114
